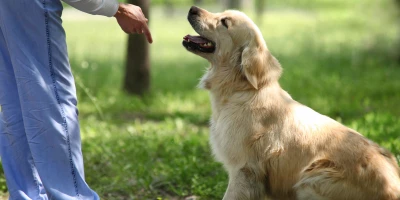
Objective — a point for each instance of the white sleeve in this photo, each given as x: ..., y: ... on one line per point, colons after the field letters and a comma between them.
x: 95, y: 7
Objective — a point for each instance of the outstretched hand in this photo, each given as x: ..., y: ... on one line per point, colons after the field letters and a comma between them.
x: 132, y: 20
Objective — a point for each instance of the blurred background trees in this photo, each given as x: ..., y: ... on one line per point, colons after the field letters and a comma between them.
x: 137, y: 74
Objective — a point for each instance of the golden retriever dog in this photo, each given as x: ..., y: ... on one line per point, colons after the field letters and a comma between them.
x: 272, y: 146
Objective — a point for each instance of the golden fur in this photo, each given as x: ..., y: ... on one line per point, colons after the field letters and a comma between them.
x: 272, y: 146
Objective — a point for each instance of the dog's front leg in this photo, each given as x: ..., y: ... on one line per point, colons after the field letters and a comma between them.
x: 245, y: 184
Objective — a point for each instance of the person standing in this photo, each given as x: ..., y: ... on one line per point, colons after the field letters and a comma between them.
x: 40, y: 145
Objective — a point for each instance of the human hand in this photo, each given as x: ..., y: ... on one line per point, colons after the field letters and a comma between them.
x: 132, y: 20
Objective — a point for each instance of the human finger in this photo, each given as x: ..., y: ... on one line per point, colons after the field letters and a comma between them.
x: 147, y: 33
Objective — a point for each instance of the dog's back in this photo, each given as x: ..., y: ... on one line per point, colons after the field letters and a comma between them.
x: 298, y: 153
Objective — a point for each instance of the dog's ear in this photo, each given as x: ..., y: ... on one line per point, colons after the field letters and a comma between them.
x: 258, y: 64
x: 252, y: 63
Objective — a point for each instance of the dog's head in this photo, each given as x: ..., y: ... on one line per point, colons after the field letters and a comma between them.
x: 232, y: 42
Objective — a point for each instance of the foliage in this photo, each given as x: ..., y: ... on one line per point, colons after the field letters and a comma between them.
x: 336, y: 59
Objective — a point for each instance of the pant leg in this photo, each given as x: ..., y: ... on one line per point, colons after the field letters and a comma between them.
x: 36, y: 43
x: 23, y: 181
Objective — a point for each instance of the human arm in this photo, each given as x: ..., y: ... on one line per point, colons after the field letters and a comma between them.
x: 95, y: 7
x: 129, y: 17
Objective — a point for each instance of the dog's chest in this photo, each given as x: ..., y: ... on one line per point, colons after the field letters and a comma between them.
x: 227, y: 138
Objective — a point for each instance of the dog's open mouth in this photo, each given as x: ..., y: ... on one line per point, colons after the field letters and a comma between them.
x: 198, y: 43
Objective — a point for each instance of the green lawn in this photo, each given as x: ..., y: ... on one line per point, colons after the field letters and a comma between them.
x: 156, y: 147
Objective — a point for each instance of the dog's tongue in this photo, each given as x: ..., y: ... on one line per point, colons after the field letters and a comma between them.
x: 196, y: 39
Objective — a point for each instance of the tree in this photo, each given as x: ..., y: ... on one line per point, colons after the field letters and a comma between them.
x: 233, y: 4
x: 168, y: 8
x: 260, y: 8
x: 398, y: 48
x: 197, y: 2
x: 137, y: 66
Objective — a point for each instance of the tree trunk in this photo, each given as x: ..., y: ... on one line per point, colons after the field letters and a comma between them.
x: 137, y: 67
x: 260, y: 8
x: 169, y: 8
x: 398, y: 41
x: 197, y: 2
x: 234, y: 4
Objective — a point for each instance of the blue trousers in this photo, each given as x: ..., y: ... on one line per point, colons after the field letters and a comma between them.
x: 40, y: 143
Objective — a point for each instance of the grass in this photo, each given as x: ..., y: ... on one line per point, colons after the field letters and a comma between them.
x: 156, y: 147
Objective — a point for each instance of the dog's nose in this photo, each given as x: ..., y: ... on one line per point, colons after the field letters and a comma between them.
x: 194, y: 10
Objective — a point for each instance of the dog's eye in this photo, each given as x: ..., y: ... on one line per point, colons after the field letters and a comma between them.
x: 223, y: 21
